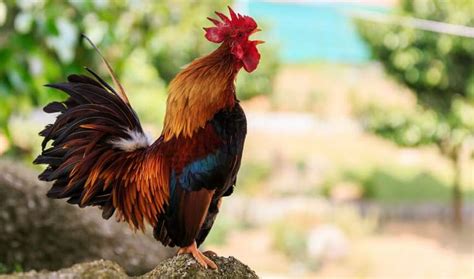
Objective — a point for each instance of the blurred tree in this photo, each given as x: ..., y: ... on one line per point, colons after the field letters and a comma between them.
x: 439, y: 70
x: 40, y: 43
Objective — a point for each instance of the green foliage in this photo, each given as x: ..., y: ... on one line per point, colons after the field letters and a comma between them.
x: 405, y: 127
x: 24, y: 133
x: 4, y: 269
x: 40, y: 43
x: 437, y: 67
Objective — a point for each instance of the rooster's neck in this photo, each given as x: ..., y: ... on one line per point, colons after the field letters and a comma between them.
x: 203, y: 88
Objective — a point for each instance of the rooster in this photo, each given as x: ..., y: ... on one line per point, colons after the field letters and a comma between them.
x: 98, y: 155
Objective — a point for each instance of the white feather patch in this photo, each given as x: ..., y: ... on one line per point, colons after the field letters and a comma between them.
x: 136, y: 141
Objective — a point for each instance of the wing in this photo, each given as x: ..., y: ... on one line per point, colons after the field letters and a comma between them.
x: 99, y: 156
x: 194, y: 177
x: 203, y: 169
x: 217, y: 200
x: 233, y: 127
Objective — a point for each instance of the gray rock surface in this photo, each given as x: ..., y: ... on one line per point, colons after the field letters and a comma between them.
x: 183, y: 266
x: 92, y: 270
x: 39, y: 233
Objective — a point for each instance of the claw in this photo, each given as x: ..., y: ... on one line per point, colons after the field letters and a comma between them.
x: 197, y: 255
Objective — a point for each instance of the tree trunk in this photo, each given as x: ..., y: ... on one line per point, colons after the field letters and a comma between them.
x: 460, y: 157
x: 457, y: 201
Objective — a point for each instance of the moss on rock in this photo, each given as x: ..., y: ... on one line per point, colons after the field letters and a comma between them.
x: 94, y: 270
x: 182, y: 266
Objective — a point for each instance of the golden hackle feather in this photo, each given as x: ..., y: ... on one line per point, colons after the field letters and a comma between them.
x: 198, y: 92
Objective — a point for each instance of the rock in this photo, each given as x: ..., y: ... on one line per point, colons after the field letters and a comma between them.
x: 182, y: 266
x: 97, y: 269
x: 40, y: 233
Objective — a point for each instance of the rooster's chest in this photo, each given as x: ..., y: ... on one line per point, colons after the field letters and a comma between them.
x: 211, y: 158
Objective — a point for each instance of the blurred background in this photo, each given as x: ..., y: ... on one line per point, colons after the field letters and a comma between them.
x: 359, y: 156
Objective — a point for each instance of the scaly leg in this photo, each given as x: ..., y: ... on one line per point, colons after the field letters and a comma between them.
x: 210, y: 252
x: 197, y: 255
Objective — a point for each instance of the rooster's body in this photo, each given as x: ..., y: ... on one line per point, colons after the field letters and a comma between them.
x: 99, y: 155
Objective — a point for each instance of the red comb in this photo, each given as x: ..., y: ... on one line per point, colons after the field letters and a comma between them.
x: 222, y: 29
x: 233, y: 16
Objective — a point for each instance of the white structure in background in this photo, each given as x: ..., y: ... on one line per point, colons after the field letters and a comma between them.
x: 327, y: 242
x: 241, y: 6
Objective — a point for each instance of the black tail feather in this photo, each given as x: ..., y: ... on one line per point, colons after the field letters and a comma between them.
x: 93, y: 114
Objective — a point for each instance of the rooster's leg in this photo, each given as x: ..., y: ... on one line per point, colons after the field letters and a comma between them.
x: 197, y: 255
x: 210, y: 252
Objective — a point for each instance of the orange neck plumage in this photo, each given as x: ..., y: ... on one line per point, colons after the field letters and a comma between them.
x: 199, y: 91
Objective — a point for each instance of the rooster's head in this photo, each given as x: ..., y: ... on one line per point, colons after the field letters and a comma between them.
x: 236, y: 32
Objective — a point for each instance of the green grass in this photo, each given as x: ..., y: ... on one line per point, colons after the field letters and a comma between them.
x: 408, y: 185
x: 395, y: 184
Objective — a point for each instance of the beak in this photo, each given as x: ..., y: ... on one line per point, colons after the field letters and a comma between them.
x: 257, y: 42
x: 256, y: 30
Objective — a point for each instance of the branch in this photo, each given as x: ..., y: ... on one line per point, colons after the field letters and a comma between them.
x: 423, y: 24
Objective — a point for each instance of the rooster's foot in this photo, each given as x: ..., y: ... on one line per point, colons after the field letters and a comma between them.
x: 197, y: 255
